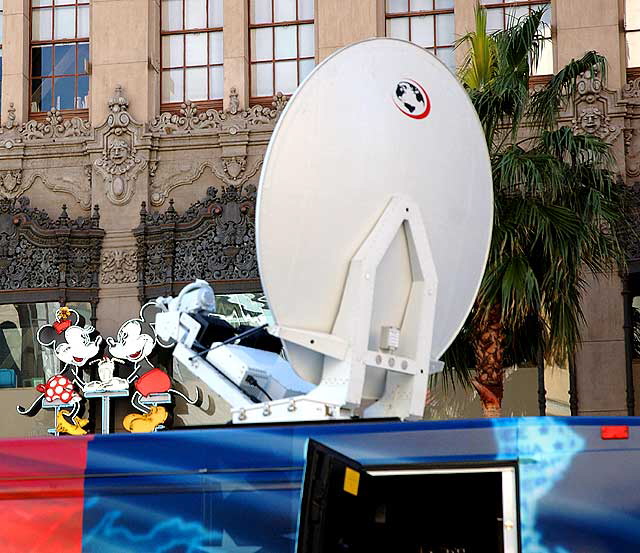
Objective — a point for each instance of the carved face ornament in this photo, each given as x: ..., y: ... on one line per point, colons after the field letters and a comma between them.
x: 119, y: 151
x: 591, y: 120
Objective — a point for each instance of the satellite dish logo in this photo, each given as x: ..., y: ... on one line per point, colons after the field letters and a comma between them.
x: 411, y: 99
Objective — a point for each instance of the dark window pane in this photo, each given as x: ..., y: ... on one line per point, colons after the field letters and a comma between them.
x: 64, y: 91
x: 83, y: 55
x: 41, y: 61
x: 65, y: 59
x: 82, y: 101
x: 40, y: 95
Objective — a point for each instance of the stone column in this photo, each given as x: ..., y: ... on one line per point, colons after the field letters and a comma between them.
x: 339, y: 23
x: 236, y: 51
x: 465, y: 22
x: 125, y: 51
x: 120, y: 182
x: 15, y: 59
x: 583, y: 25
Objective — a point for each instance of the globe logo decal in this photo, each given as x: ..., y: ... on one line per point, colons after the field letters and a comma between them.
x: 411, y: 99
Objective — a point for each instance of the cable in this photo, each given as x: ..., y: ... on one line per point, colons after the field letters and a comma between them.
x: 229, y: 340
x: 253, y: 382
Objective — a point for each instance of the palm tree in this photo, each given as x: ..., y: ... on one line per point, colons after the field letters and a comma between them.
x: 558, y: 204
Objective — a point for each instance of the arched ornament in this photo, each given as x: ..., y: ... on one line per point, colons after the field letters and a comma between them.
x: 120, y: 164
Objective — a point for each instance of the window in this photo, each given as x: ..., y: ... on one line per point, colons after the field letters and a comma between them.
x: 24, y: 363
x: 501, y: 12
x: 59, y: 54
x: 632, y: 32
x: 427, y: 23
x: 282, y: 45
x: 192, y: 51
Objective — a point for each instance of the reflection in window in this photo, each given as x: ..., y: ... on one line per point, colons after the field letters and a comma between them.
x: 632, y: 32
x: 282, y: 45
x: 191, y: 50
x: 23, y: 361
x: 500, y: 13
x: 59, y: 54
x: 249, y: 309
x: 427, y: 23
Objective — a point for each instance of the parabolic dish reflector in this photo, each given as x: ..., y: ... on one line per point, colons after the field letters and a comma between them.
x: 378, y: 118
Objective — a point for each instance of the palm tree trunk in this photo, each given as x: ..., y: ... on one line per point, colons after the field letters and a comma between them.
x: 488, y: 347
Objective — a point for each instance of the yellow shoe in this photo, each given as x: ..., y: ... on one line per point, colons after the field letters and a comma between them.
x: 64, y: 426
x: 137, y: 422
x: 81, y: 422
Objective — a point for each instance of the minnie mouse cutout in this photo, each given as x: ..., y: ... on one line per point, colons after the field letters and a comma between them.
x: 135, y: 341
x: 74, y: 344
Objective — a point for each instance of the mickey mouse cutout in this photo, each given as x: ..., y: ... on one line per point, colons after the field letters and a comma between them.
x: 74, y: 344
x: 135, y: 341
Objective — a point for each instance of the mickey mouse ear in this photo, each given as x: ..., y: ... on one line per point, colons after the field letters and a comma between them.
x: 148, y: 314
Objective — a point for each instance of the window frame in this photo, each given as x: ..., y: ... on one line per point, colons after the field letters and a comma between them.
x: 409, y: 14
x: 174, y: 107
x: 504, y: 4
x: 633, y: 71
x: 541, y: 78
x: 267, y: 100
x: 74, y: 112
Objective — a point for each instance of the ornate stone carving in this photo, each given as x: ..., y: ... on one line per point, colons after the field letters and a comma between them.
x: 12, y: 185
x: 629, y: 239
x: 631, y: 90
x: 118, y: 267
x: 234, y: 101
x: 55, y: 126
x: 120, y: 164
x: 11, y: 118
x: 591, y: 108
x: 80, y: 189
x: 214, y: 239
x: 37, y: 252
x: 592, y: 121
x: 631, y: 100
x: 231, y: 170
x: 233, y: 120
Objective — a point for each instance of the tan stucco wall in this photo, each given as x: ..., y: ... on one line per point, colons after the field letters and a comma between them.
x: 340, y: 23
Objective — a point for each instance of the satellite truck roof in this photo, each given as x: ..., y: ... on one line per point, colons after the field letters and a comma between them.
x: 377, y: 119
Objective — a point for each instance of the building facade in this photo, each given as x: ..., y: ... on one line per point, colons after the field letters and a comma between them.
x: 133, y: 133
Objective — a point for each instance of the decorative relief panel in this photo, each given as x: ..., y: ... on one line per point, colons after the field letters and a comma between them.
x: 230, y: 170
x: 58, y: 257
x: 117, y: 153
x: 119, y: 267
x: 79, y: 188
x: 214, y: 239
x: 631, y: 99
x: 11, y: 184
x: 55, y: 126
x: 233, y: 120
x: 120, y: 163
x: 594, y: 109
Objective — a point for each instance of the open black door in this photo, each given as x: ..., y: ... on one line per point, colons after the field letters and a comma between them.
x: 347, y: 508
x: 335, y: 509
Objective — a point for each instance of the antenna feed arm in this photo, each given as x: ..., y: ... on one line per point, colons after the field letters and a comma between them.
x: 321, y: 342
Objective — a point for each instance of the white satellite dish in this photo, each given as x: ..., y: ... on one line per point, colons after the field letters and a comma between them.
x: 379, y: 121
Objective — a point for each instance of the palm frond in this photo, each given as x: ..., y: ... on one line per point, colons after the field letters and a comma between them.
x: 546, y: 102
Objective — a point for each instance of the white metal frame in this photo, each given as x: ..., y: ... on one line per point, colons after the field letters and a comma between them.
x: 347, y: 355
